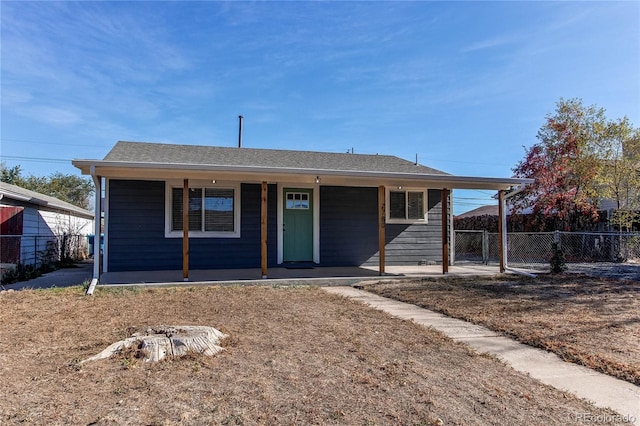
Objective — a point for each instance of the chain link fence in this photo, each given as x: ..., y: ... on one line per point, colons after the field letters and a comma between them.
x: 37, y: 250
x: 534, y: 249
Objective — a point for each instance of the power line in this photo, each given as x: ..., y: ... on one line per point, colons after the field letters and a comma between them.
x: 88, y: 145
x: 466, y: 198
x: 36, y: 159
x: 469, y: 206
x: 491, y: 194
x: 464, y: 162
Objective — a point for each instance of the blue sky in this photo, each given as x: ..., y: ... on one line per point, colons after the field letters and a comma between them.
x: 464, y: 85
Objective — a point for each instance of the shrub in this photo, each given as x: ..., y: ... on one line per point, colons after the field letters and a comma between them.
x: 20, y: 273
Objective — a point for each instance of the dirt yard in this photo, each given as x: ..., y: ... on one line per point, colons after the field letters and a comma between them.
x: 294, y: 356
x: 590, y: 321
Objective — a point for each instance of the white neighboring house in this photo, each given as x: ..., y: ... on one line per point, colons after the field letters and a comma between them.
x: 34, y: 225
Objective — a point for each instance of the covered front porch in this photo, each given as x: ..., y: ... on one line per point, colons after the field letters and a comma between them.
x: 290, y: 276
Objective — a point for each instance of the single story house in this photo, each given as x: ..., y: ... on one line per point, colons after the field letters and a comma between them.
x: 32, y: 226
x: 263, y: 208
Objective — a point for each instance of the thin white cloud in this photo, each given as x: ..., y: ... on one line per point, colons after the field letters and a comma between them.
x: 12, y: 96
x: 331, y: 74
x: 55, y: 116
x: 91, y: 62
x: 490, y: 43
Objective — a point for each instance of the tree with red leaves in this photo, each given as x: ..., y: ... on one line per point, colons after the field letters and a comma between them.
x: 565, y: 166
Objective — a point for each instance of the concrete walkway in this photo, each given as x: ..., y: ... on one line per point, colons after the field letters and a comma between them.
x: 600, y: 389
x: 65, y: 277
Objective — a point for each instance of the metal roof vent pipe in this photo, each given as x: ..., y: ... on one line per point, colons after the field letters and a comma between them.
x: 240, y: 131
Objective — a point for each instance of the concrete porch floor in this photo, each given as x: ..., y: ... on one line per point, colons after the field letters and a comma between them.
x: 314, y: 276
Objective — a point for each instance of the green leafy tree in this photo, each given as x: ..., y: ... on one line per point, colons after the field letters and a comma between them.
x: 11, y: 175
x: 73, y: 189
x: 620, y: 172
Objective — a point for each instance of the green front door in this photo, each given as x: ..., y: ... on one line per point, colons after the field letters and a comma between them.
x: 297, y: 225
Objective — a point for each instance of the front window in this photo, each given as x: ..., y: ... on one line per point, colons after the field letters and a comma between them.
x: 213, y: 212
x: 406, y: 205
x: 297, y: 201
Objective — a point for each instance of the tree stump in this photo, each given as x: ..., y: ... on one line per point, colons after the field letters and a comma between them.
x: 157, y: 343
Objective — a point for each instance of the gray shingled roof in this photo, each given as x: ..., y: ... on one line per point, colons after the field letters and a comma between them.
x: 19, y: 193
x: 157, y: 153
x: 491, y: 210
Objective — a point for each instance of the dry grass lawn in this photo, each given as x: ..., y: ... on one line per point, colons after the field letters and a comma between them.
x: 294, y: 356
x: 591, y: 321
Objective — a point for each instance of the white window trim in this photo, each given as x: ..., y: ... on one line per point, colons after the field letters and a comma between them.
x: 425, y: 215
x: 169, y: 185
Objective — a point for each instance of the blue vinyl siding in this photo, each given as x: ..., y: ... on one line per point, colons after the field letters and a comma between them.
x: 137, y: 223
x: 415, y: 243
x: 348, y: 225
x: 349, y: 230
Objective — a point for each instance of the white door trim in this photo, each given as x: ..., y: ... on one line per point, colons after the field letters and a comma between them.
x: 316, y: 218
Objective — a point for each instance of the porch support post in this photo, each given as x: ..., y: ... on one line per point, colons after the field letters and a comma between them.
x: 185, y: 230
x: 97, y: 229
x: 502, y: 230
x: 444, y: 201
x: 263, y: 231
x: 381, y: 228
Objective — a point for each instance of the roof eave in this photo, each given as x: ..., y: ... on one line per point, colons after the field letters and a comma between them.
x: 102, y: 168
x: 51, y: 203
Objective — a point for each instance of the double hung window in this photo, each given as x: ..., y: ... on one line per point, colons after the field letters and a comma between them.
x: 406, y: 205
x: 213, y: 211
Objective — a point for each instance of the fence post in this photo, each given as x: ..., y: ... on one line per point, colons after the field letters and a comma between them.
x: 502, y: 230
x: 485, y: 247
x: 556, y: 238
x: 444, y: 201
x: 454, y: 234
